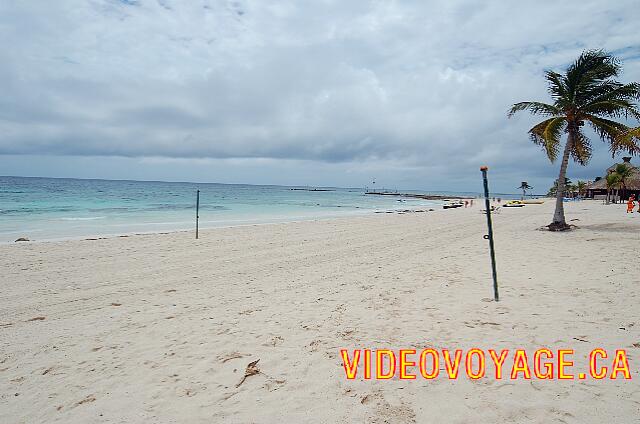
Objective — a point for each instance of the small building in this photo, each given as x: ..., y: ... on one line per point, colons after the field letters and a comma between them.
x: 598, y: 188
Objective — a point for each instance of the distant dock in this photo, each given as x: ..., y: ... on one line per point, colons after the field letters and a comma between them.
x: 311, y: 189
x: 417, y: 196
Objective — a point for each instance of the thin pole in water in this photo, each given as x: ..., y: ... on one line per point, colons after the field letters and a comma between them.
x: 490, y: 235
x: 197, y: 211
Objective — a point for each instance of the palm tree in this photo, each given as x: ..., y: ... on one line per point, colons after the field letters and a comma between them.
x: 553, y: 191
x: 613, y: 181
x: 586, y: 92
x: 582, y: 187
x: 624, y: 172
x: 524, y: 186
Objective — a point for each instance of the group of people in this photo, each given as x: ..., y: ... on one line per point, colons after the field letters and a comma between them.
x: 631, y: 203
x: 469, y: 203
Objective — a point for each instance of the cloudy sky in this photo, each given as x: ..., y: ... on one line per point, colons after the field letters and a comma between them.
x: 325, y: 92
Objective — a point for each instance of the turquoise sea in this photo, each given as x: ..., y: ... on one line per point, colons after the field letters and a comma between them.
x: 55, y: 208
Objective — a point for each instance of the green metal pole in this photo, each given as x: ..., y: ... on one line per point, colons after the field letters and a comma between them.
x: 197, y: 211
x: 490, y: 235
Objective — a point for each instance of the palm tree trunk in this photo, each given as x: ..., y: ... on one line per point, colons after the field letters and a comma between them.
x: 559, y: 222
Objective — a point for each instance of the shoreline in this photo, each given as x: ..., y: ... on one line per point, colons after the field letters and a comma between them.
x: 104, y: 236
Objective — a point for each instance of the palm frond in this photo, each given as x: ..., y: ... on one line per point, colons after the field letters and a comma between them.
x: 613, y: 133
x: 581, y: 149
x: 525, y: 185
x: 613, y: 90
x: 537, y: 108
x: 632, y: 133
x: 628, y: 141
x: 589, y: 70
x: 557, y: 85
x: 613, y: 108
x: 616, y: 101
x: 589, y: 60
x: 547, y: 134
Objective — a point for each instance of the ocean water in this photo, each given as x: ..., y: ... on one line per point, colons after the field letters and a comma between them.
x: 52, y: 208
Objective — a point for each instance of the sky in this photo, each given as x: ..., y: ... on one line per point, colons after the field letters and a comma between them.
x: 413, y: 94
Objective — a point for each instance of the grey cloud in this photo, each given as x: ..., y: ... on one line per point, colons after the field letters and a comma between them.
x: 417, y: 83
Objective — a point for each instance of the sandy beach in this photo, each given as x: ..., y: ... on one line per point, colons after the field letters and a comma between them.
x: 160, y: 328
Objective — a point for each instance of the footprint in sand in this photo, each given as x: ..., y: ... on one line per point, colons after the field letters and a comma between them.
x: 88, y: 399
x: 314, y: 345
x: 230, y: 356
x: 272, y: 384
x: 385, y: 412
x: 275, y: 341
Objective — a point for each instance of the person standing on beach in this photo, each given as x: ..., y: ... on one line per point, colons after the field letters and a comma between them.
x: 631, y: 204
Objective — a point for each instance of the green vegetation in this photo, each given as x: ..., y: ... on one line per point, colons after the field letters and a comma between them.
x: 586, y: 93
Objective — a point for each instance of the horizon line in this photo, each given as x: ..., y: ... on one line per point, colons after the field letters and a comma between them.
x: 424, y: 191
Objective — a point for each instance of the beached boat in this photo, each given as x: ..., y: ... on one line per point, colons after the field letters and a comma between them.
x: 514, y: 204
x: 452, y: 205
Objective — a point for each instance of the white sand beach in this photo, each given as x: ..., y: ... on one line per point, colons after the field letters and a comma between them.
x: 160, y: 328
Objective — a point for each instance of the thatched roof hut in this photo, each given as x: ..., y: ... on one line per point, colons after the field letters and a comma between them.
x: 599, y: 186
